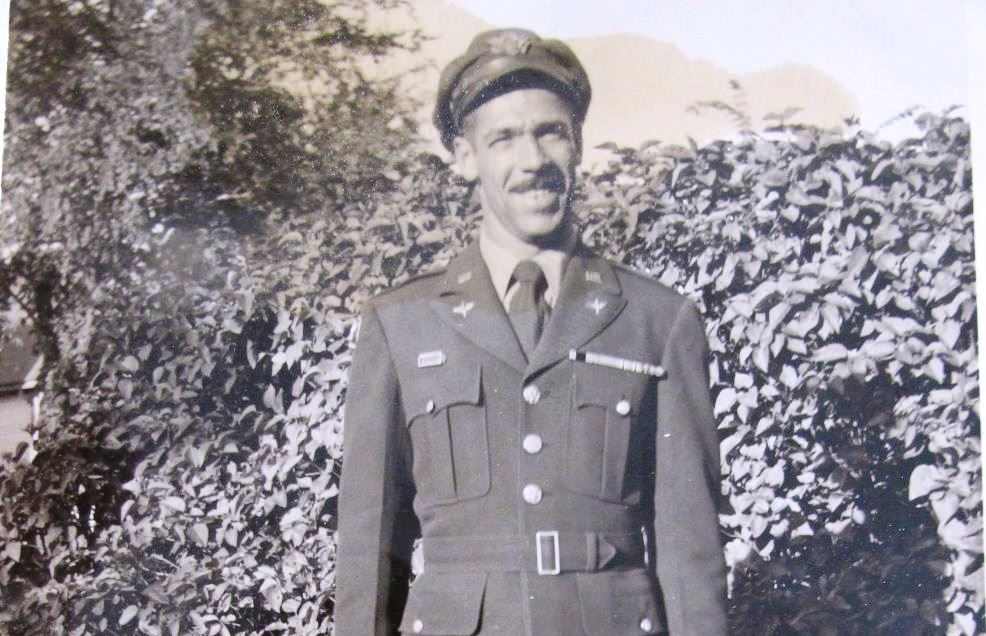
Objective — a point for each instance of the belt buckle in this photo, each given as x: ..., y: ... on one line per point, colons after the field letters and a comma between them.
x: 539, y: 538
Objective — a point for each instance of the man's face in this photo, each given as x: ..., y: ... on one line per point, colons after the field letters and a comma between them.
x: 523, y: 147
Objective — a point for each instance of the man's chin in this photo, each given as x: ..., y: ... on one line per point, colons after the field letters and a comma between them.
x: 541, y: 203
x: 547, y: 233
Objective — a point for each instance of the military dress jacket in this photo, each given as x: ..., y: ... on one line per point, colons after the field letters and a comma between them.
x: 572, y: 493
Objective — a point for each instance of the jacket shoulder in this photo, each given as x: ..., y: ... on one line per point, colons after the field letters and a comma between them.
x: 636, y: 283
x: 416, y: 287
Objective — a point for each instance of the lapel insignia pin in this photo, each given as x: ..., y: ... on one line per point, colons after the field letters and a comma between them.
x: 597, y: 305
x: 465, y: 277
x: 431, y: 359
x: 463, y: 308
x: 593, y: 277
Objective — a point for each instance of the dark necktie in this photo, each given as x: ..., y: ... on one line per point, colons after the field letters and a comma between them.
x: 527, y: 307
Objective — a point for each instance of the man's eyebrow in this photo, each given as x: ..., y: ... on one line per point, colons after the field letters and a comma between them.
x: 553, y: 125
x: 550, y: 125
x: 499, y: 131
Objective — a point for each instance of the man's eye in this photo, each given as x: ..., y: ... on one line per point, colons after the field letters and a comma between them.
x: 555, y: 133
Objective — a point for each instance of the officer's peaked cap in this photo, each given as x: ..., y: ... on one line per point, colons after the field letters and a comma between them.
x: 492, y: 61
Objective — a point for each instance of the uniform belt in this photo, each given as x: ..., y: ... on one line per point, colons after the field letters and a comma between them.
x: 544, y: 552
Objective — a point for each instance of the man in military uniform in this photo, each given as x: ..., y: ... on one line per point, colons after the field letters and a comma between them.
x: 539, y: 415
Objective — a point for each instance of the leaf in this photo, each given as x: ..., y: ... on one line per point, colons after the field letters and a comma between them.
x: 764, y: 425
x: 901, y: 326
x: 725, y: 400
x: 130, y: 363
x: 945, y: 507
x: 935, y: 369
x: 127, y: 615
x: 761, y: 358
x: 796, y: 345
x: 879, y: 349
x: 728, y: 444
x: 949, y: 332
x: 743, y: 381
x: 12, y: 550
x: 430, y: 237
x: 831, y: 353
x: 200, y: 534
x: 758, y: 525
x: 174, y: 503
x: 789, y: 376
x: 774, y: 476
x: 269, y: 395
x: 871, y: 193
x: 197, y: 455
x: 924, y: 480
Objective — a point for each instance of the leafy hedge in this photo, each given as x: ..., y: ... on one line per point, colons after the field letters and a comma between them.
x: 837, y: 278
x: 189, y: 451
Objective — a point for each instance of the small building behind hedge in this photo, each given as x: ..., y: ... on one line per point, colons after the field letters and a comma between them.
x: 20, y: 397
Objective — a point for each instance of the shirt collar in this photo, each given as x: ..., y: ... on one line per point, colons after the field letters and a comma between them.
x: 502, y: 255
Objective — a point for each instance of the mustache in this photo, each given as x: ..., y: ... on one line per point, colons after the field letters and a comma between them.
x: 550, y: 179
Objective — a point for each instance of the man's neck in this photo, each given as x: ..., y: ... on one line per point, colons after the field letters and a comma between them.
x: 502, y: 251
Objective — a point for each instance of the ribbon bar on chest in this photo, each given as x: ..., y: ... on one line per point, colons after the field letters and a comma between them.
x: 615, y: 362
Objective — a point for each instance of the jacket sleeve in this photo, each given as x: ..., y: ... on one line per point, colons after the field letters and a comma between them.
x: 689, y: 557
x: 376, y: 524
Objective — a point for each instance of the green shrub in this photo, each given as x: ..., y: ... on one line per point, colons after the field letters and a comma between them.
x: 837, y: 279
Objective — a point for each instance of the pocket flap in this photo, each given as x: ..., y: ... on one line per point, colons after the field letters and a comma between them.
x: 617, y: 391
x: 444, y: 603
x: 432, y: 390
x: 619, y: 602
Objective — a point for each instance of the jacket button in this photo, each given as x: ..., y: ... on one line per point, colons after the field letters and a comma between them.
x: 417, y: 626
x: 623, y: 407
x: 532, y: 394
x: 533, y: 443
x: 645, y: 625
x: 532, y: 494
x: 430, y: 406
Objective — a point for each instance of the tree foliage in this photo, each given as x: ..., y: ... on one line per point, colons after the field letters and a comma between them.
x: 193, y: 224
x: 137, y: 224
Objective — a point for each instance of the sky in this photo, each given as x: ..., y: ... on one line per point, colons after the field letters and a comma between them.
x: 890, y: 54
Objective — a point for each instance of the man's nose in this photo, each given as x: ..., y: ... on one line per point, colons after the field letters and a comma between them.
x: 531, y: 154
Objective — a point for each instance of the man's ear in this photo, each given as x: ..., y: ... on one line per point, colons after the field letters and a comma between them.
x: 465, y: 158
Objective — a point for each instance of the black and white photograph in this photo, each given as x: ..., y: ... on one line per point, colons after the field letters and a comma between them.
x: 447, y: 317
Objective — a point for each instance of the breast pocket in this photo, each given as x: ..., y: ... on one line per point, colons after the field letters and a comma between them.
x: 447, y: 421
x: 606, y: 433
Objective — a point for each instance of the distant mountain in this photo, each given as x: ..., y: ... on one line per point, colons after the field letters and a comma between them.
x: 643, y: 89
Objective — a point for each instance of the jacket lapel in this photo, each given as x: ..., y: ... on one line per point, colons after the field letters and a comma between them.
x: 468, y: 303
x: 588, y: 300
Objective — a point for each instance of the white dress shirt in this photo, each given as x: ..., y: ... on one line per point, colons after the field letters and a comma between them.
x: 502, y: 254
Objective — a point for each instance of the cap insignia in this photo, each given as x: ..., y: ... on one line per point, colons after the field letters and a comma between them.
x: 511, y: 43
